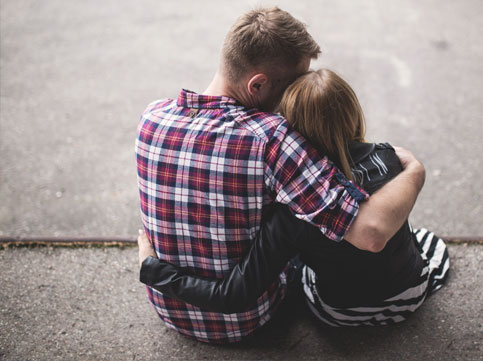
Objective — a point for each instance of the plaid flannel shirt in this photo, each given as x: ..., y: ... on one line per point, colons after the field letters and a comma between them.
x: 206, y: 167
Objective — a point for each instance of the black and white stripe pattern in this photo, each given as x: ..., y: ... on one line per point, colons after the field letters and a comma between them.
x: 392, y: 310
x: 436, y: 254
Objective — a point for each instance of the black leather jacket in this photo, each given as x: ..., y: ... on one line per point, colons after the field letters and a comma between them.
x: 346, y: 276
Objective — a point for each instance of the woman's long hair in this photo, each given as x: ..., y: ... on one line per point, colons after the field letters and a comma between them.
x: 322, y: 107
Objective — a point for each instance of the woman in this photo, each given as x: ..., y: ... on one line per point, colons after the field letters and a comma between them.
x: 344, y: 286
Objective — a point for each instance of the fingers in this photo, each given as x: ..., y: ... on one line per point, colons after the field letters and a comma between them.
x: 145, y: 247
x: 405, y: 156
x: 142, y: 237
x: 402, y: 151
x: 410, y: 163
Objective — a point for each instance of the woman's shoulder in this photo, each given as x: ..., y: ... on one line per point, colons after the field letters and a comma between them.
x: 374, y: 165
x: 387, y: 154
x: 363, y: 152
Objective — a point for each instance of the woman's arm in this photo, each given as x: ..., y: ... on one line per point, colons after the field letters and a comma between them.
x: 270, y: 252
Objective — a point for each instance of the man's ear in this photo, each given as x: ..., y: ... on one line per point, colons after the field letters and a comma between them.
x: 257, y: 83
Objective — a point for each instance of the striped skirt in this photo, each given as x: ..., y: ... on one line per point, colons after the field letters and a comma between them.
x: 395, y: 309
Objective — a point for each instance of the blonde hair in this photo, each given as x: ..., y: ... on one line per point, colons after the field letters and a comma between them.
x: 325, y: 110
x: 267, y: 38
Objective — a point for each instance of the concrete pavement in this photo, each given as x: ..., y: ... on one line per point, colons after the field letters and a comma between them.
x: 74, y: 78
x: 86, y: 304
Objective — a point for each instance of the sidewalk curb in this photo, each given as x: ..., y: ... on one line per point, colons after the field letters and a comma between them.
x: 55, y: 241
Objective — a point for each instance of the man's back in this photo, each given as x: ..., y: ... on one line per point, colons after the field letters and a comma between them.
x: 201, y: 179
x: 206, y: 168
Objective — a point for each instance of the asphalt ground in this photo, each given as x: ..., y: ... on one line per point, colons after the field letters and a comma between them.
x: 74, y: 78
x: 86, y: 304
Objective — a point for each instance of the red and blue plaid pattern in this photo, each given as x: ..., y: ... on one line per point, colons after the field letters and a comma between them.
x: 206, y: 168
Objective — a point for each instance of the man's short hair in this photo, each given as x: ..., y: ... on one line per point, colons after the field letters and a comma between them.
x: 266, y: 38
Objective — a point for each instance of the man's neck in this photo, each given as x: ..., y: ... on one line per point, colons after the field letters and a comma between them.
x: 220, y: 87
x: 217, y: 87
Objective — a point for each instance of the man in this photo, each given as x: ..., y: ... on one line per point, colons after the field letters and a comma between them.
x: 208, y: 165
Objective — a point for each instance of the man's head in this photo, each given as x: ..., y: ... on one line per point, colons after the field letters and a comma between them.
x: 264, y: 51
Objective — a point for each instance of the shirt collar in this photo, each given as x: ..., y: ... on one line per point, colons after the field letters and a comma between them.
x: 189, y: 99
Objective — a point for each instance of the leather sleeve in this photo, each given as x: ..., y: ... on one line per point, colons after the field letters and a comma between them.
x: 275, y: 245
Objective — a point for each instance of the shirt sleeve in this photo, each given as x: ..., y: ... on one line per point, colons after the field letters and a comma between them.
x: 297, y: 175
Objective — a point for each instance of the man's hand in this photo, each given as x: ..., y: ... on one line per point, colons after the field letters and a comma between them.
x: 384, y: 213
x: 410, y: 163
x: 405, y: 156
x: 145, y: 248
